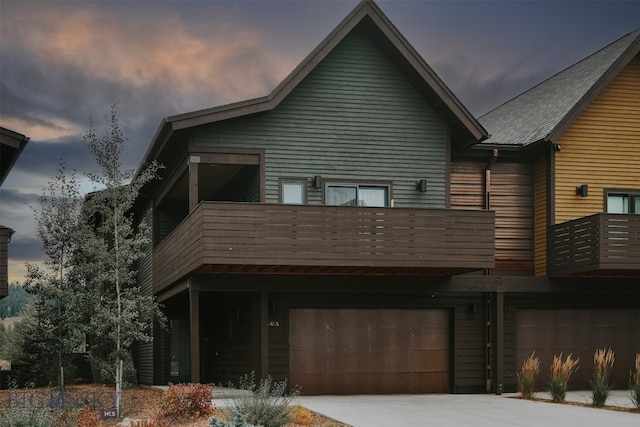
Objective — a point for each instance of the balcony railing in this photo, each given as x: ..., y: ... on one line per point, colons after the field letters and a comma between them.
x: 597, y: 245
x: 311, y: 239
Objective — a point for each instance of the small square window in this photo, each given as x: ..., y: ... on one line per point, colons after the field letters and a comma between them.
x: 623, y: 202
x: 292, y: 192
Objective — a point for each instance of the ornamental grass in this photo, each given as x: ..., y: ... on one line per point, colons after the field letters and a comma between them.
x: 603, y: 360
x: 561, y: 372
x: 527, y: 376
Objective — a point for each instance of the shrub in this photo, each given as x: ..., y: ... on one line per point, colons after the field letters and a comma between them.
x: 527, y: 376
x: 185, y: 402
x: 602, y: 362
x: 560, y: 374
x: 635, y: 383
x: 27, y: 417
x: 266, y: 404
x: 238, y: 420
x: 301, y: 416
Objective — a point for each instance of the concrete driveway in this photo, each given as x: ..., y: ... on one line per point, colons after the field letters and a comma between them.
x: 478, y: 410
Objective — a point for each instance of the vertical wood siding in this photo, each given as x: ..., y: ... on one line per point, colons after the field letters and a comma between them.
x: 511, y: 199
x: 144, y: 364
x: 601, y: 148
x: 355, y: 117
x: 540, y: 208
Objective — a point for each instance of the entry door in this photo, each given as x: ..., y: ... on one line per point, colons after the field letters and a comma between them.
x: 347, y: 351
x: 179, y: 351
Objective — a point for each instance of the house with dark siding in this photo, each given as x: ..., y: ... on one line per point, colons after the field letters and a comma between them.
x: 11, y: 145
x: 357, y: 230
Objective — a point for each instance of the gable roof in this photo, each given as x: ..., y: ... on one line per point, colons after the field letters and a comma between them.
x: 464, y: 125
x: 11, y: 145
x: 545, y: 111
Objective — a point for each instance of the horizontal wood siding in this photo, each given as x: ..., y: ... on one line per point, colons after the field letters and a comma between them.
x: 5, y: 235
x: 541, y: 217
x: 325, y: 236
x: 511, y: 198
x: 596, y: 244
x: 354, y: 117
x: 600, y: 148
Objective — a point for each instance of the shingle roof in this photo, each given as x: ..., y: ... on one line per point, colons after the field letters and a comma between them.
x: 546, y: 110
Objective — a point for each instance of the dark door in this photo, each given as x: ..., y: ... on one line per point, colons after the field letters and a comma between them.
x: 346, y: 351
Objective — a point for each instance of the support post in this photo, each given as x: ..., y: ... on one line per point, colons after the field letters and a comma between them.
x: 193, y: 182
x: 264, y: 333
x: 499, y: 351
x: 194, y: 334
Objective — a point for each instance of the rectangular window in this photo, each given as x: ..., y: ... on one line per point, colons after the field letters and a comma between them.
x: 623, y: 202
x: 356, y: 195
x: 292, y: 192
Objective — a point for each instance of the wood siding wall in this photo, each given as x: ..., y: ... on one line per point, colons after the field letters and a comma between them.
x: 144, y: 364
x: 5, y: 235
x: 511, y: 197
x: 354, y: 118
x: 541, y: 216
x: 600, y: 148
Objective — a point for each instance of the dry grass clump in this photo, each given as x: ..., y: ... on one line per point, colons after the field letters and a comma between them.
x: 635, y: 383
x: 603, y: 360
x: 527, y: 376
x: 561, y: 372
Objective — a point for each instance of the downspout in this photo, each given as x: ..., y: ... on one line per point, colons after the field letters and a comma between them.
x: 491, y: 320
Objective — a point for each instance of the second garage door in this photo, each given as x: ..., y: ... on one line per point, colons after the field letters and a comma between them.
x: 346, y: 351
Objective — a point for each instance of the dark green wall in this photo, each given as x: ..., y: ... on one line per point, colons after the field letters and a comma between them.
x: 355, y: 117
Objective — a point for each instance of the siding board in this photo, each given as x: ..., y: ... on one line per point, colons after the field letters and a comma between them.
x: 355, y: 117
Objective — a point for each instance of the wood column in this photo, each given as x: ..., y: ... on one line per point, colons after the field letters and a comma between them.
x: 499, y: 351
x: 194, y: 162
x: 194, y: 334
x: 264, y: 333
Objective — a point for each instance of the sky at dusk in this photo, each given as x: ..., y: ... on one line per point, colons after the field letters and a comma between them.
x: 61, y: 62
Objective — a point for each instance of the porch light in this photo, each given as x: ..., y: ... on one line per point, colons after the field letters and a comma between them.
x: 421, y: 186
x: 582, y: 191
x: 317, y: 181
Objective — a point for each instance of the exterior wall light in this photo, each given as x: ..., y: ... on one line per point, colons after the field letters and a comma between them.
x: 582, y: 191
x: 317, y: 181
x: 421, y: 186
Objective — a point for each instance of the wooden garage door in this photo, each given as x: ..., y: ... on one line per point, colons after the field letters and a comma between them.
x: 348, y: 351
x: 579, y: 332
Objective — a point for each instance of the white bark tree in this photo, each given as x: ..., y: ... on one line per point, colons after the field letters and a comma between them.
x: 121, y: 314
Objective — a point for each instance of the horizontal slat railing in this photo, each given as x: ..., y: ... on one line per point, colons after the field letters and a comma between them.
x: 313, y: 235
x: 598, y: 244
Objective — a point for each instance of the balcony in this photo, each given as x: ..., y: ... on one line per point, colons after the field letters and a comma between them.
x: 605, y: 245
x: 252, y: 238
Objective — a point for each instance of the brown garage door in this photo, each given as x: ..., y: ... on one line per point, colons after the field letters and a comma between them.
x: 579, y: 332
x: 346, y: 351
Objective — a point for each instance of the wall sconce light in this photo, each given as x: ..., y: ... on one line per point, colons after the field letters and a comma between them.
x: 317, y: 181
x: 582, y: 191
x: 556, y: 147
x: 421, y: 186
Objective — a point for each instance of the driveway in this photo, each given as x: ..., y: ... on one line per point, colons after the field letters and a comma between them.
x: 478, y: 410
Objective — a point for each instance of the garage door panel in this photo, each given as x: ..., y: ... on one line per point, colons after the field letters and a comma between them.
x: 430, y: 382
x: 436, y: 337
x: 370, y: 350
x: 579, y: 332
x: 429, y: 360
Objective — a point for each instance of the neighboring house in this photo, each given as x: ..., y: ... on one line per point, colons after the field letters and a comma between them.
x: 358, y: 231
x: 11, y: 145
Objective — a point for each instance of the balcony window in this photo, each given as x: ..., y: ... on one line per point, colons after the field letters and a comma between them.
x: 356, y: 195
x: 292, y: 192
x: 623, y: 202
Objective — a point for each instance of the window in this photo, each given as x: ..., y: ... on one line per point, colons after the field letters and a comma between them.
x: 292, y: 192
x: 623, y: 202
x: 356, y: 195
